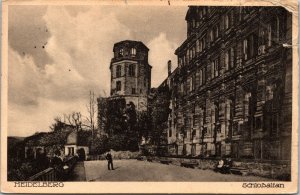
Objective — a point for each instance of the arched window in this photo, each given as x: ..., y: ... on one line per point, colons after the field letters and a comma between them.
x: 118, y: 71
x: 131, y: 70
x: 133, y: 51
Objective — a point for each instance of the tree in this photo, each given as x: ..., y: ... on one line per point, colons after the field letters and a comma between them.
x: 159, y: 114
x: 102, y: 115
x: 74, y: 119
x: 144, y: 124
x: 92, y: 110
x: 116, y: 117
x: 58, y: 124
x: 130, y: 116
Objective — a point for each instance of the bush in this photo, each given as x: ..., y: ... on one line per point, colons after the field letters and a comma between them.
x: 124, y: 154
x: 121, y: 142
x: 100, y: 145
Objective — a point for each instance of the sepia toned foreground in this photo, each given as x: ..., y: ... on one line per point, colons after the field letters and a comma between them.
x: 133, y: 170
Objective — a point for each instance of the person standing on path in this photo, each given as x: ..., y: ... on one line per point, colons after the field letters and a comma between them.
x: 109, y: 161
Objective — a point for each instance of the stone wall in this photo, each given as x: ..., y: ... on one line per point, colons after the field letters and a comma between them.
x: 279, y: 171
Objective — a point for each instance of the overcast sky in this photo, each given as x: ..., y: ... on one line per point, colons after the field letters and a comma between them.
x: 57, y: 54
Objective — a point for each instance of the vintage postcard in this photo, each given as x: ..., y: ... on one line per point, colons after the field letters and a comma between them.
x: 149, y: 96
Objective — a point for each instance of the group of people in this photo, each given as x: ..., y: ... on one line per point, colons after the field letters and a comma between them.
x: 224, y: 166
x: 58, y: 164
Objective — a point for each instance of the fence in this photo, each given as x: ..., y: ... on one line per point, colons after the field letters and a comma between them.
x: 50, y: 174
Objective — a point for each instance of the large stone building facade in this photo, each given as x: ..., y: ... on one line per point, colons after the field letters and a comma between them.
x: 231, y: 94
x: 130, y: 73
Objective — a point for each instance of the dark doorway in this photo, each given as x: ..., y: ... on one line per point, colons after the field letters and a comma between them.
x: 81, y: 154
x: 218, y: 149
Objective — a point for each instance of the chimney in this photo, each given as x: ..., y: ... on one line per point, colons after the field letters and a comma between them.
x: 169, y: 67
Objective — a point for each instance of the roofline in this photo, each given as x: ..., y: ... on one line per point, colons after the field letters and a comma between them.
x: 133, y: 41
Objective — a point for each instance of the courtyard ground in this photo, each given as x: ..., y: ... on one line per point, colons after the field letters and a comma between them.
x: 134, y: 170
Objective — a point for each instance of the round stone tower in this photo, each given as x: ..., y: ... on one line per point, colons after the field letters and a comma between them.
x: 130, y: 73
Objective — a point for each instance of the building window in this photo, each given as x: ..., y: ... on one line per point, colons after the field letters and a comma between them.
x: 191, y: 84
x: 232, y: 57
x: 181, y: 88
x: 211, y: 35
x: 194, y: 51
x: 204, y: 42
x: 118, y: 86
x: 131, y: 70
x: 170, y: 128
x: 204, y: 75
x: 187, y: 57
x: 133, y: 91
x: 133, y: 51
x: 250, y: 46
x: 191, y: 54
x: 216, y: 112
x: 71, y: 151
x: 197, y: 46
x: 118, y: 71
x: 269, y: 35
x: 226, y: 21
x: 226, y: 60
x: 258, y: 123
x: 201, y: 77
x: 229, y: 60
x: 179, y: 61
x: 200, y: 46
x: 245, y: 48
x: 121, y: 52
x: 215, y: 68
x: 200, y: 13
x: 216, y: 31
x: 273, y: 31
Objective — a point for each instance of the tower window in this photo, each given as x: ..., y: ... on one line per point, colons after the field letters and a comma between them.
x: 133, y: 91
x: 118, y: 86
x: 118, y: 71
x: 133, y: 51
x: 131, y: 70
x: 121, y: 52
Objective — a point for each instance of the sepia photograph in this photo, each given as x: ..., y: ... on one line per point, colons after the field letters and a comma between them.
x: 189, y: 94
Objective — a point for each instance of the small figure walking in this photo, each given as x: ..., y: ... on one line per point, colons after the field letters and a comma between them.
x: 109, y: 161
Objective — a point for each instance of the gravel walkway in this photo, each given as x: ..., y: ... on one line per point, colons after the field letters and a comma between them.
x: 134, y: 170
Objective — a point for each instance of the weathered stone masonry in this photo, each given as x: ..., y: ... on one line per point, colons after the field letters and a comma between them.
x: 232, y: 90
x: 131, y: 73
